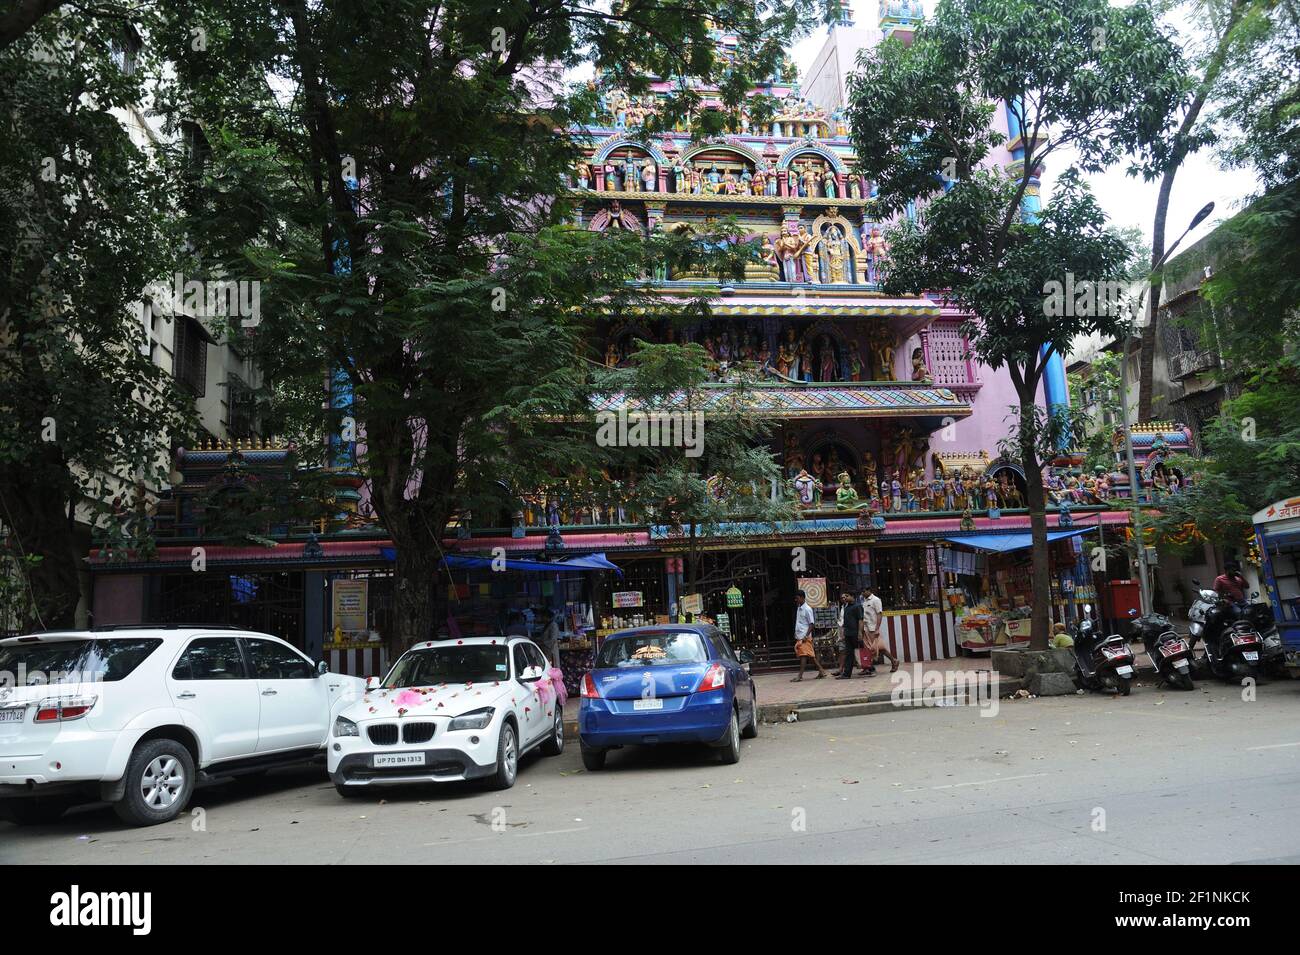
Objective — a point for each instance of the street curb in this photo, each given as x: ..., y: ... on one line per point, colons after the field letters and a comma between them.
x: 871, y: 704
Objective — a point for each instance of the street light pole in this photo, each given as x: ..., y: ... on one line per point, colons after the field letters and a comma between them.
x: 1135, y: 489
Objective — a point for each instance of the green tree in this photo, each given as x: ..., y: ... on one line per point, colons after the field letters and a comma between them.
x: 84, y: 229
x: 721, y: 486
x: 1074, y: 73
x: 1187, y: 129
x: 1253, y: 460
x: 1246, y: 313
x: 1095, y: 398
x: 395, y: 173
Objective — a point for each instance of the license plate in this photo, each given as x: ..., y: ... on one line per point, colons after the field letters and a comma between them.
x: 398, y: 759
x: 1250, y: 655
x: 1124, y: 671
x: 14, y: 714
x: 647, y: 704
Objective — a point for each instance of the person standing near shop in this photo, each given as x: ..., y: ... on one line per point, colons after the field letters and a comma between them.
x: 516, y: 626
x: 551, y: 637
x: 1231, y: 584
x: 850, y: 633
x: 804, y: 618
x: 873, y: 613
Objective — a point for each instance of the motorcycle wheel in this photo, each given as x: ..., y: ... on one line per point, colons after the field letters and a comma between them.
x: 1125, y: 687
x: 1182, y: 681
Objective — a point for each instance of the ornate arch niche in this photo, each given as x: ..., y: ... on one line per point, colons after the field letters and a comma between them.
x: 621, y: 339
x: 830, y: 450
x: 855, y: 267
x: 617, y: 154
x: 1014, y: 473
x: 839, y: 342
x: 796, y: 150
x: 714, y: 163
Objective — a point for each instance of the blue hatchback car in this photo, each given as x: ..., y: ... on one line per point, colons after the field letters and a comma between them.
x: 669, y: 683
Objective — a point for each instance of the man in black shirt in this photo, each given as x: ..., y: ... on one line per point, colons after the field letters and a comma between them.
x: 850, y: 633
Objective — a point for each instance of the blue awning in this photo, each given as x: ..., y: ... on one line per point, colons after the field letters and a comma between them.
x: 587, y: 562
x: 1001, y: 543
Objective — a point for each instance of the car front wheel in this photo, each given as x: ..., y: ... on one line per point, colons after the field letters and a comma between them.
x: 507, y: 758
x: 159, y: 782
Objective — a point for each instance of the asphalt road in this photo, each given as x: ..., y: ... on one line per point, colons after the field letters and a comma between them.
x: 1159, y: 777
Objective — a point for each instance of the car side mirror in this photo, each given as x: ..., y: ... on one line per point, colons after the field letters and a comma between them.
x: 322, y: 668
x: 530, y: 674
x: 745, y: 657
x: 372, y: 683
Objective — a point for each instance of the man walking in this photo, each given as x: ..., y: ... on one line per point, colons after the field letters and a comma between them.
x: 803, y: 637
x: 873, y: 613
x: 850, y: 633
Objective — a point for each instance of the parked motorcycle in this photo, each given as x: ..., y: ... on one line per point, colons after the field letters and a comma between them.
x: 1272, y: 655
x: 1102, y: 663
x: 1170, y: 653
x: 1232, y: 643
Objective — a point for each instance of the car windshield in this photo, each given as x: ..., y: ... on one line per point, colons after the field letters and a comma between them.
x: 427, y: 666
x: 41, y: 662
x: 653, y: 648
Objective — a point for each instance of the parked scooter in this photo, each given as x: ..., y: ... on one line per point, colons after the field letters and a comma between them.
x: 1170, y: 653
x: 1232, y: 644
x: 1101, y: 663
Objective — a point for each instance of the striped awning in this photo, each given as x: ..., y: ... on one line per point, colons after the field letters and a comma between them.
x: 850, y: 400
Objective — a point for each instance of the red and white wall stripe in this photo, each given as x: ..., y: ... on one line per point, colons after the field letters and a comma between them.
x: 358, y: 661
x: 913, y: 637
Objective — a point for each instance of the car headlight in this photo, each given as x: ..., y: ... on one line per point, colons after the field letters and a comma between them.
x: 475, y: 720
x: 345, y: 727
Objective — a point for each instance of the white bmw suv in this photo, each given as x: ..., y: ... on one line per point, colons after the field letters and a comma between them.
x: 134, y: 716
x: 449, y: 710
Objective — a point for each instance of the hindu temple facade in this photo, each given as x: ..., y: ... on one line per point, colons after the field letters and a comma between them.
x: 885, y: 427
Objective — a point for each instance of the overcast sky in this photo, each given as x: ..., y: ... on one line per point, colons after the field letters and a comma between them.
x: 1127, y: 200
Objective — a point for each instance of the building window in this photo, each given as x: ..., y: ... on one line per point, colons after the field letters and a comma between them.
x: 241, y: 413
x: 948, y: 350
x: 125, y: 51
x: 190, y: 355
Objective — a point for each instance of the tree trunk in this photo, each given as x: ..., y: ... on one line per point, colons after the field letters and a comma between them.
x: 1037, y: 504
x: 414, y: 581
x: 37, y: 517
x: 1147, y: 357
x: 1146, y: 367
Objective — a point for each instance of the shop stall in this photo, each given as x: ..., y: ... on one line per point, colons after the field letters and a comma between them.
x: 485, y: 594
x: 988, y: 585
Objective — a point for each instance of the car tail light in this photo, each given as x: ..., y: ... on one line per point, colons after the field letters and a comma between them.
x: 589, y: 688
x: 60, y: 710
x: 715, y: 678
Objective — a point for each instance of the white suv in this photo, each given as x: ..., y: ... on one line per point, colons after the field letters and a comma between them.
x: 134, y: 715
x: 449, y: 710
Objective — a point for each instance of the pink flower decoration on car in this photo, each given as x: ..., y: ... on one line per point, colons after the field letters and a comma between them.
x: 409, y: 698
